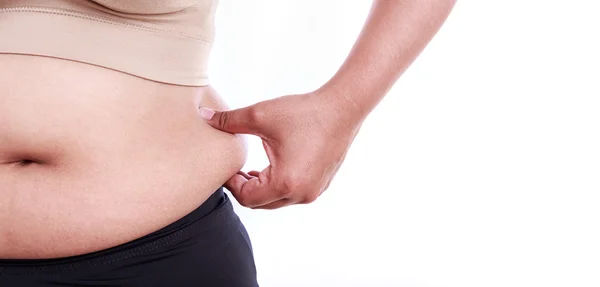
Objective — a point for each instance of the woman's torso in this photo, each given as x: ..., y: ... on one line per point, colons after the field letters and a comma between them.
x: 91, y: 158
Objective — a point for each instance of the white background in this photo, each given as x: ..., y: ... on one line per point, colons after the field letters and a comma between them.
x: 480, y: 168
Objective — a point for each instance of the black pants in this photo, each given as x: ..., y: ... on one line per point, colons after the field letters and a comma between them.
x: 208, y: 247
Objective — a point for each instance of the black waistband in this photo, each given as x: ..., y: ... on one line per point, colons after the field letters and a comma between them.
x: 204, y: 217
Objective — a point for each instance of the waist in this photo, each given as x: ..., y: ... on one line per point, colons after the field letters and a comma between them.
x: 91, y: 158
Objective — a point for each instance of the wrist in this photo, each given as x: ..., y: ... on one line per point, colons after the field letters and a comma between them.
x: 345, y: 99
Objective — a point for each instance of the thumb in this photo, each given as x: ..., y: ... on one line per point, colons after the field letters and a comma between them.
x: 238, y: 121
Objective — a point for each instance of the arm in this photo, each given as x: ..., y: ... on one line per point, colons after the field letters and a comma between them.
x: 306, y: 137
x: 394, y: 34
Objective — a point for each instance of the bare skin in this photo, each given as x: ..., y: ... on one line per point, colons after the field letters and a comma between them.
x: 307, y: 136
x: 91, y: 158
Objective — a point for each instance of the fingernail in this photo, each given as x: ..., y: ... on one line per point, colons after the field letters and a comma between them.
x: 206, y: 114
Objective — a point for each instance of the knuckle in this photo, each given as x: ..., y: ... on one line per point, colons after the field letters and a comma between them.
x: 297, y: 186
x: 310, y: 198
x: 291, y: 185
x: 255, y: 115
x: 243, y: 201
x: 224, y: 120
x: 285, y: 191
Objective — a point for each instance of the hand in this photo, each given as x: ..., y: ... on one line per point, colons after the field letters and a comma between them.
x: 306, y: 138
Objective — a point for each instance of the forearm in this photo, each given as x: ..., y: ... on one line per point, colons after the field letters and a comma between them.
x: 394, y: 34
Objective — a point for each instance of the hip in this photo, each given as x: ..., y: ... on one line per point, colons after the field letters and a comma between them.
x: 207, y: 247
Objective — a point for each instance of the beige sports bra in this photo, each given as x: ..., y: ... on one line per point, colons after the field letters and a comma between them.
x: 167, y: 41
